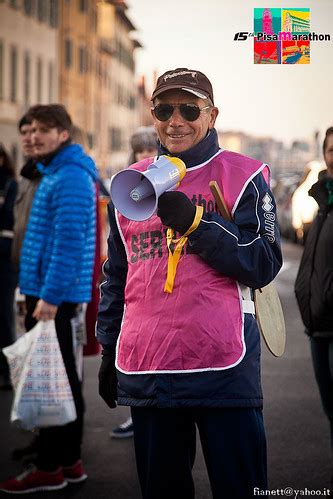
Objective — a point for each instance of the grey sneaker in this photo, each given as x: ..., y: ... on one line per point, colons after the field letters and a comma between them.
x: 125, y: 430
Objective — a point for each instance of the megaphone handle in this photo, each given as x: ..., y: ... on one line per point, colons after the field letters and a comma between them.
x: 218, y: 196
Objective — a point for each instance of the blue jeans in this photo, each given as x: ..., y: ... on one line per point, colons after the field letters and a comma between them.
x: 322, y: 358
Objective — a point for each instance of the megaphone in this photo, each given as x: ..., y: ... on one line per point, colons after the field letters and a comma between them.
x: 135, y: 194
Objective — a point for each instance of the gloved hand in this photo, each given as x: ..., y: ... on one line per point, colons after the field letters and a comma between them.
x: 176, y: 211
x: 107, y: 377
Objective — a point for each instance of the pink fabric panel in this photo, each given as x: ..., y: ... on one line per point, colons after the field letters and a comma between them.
x: 200, y: 325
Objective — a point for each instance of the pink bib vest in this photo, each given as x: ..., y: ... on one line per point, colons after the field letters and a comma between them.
x: 199, y: 326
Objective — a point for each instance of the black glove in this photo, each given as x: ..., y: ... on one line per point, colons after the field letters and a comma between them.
x: 107, y: 377
x: 176, y: 211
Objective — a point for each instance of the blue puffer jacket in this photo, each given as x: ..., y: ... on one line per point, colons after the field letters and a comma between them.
x: 59, y: 245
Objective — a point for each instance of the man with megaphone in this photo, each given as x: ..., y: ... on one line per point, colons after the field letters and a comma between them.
x: 176, y: 320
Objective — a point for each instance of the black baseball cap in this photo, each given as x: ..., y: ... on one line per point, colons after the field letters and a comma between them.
x: 189, y: 80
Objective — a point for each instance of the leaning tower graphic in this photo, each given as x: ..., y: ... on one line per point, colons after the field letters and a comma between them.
x: 267, y: 23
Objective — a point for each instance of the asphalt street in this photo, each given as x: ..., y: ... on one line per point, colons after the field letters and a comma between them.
x: 297, y: 430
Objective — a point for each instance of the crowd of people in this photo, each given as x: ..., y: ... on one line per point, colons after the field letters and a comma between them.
x: 180, y: 357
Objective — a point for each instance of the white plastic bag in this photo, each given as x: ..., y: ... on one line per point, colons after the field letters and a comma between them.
x: 43, y: 396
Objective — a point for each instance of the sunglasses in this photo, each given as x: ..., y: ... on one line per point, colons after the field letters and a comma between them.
x: 190, y: 112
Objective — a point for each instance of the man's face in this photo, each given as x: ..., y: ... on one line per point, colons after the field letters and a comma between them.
x: 46, y: 139
x: 328, y: 155
x: 26, y: 141
x: 177, y: 134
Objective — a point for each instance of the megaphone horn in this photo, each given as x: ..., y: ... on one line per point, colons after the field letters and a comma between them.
x: 135, y: 194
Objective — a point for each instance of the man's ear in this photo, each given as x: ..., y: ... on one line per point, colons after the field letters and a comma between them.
x: 64, y: 135
x: 213, y: 115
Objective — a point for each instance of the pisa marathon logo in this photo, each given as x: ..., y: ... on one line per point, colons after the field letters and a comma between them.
x: 282, y: 36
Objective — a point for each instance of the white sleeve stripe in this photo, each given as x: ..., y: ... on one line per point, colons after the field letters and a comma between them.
x: 221, y: 226
x: 105, y: 280
x: 251, y: 242
x: 245, y: 186
x: 121, y: 233
x: 226, y: 230
x: 257, y: 201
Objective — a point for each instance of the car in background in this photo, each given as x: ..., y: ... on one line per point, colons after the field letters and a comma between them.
x: 303, y: 207
x: 283, y: 191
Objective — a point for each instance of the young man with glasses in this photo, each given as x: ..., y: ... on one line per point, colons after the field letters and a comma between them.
x: 189, y: 356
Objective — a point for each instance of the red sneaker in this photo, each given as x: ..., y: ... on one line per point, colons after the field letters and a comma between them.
x: 75, y: 473
x: 33, y: 480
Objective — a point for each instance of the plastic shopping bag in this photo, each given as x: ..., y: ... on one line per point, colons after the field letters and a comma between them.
x: 43, y: 396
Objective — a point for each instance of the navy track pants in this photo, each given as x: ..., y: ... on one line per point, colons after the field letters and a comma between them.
x: 233, y: 442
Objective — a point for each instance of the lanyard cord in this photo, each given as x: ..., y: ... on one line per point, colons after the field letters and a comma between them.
x: 173, y: 257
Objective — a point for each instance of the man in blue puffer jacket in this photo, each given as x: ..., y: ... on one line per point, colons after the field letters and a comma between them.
x: 56, y: 275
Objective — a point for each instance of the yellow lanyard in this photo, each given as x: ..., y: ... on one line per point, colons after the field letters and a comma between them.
x: 173, y: 257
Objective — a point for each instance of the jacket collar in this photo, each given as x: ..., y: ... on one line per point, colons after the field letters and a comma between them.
x: 46, y: 160
x: 30, y: 170
x: 199, y: 153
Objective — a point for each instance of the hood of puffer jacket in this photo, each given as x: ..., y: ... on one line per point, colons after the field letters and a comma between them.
x: 74, y: 155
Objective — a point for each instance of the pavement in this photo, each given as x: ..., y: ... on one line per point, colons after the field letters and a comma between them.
x: 296, y: 427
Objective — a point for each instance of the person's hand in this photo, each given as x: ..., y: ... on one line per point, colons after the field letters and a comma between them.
x: 107, y: 378
x: 176, y: 211
x: 44, y: 311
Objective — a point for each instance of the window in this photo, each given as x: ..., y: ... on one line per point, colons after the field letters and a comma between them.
x: 93, y: 20
x: 14, y: 153
x: 13, y: 74
x: 114, y: 139
x: 83, y: 5
x: 27, y: 6
x: 39, y: 79
x: 131, y: 102
x: 26, y: 88
x: 1, y: 69
x: 68, y: 53
x: 82, y: 60
x: 90, y: 138
x: 53, y: 13
x: 41, y: 10
x: 51, y: 82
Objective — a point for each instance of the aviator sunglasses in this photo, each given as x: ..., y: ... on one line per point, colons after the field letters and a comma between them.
x: 190, y: 112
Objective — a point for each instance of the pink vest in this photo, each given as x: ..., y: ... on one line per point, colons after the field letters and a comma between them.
x: 199, y: 326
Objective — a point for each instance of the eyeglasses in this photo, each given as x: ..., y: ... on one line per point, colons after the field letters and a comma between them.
x: 190, y: 112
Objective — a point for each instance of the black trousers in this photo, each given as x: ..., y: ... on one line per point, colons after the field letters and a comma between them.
x: 8, y: 282
x: 322, y: 359
x: 233, y: 443
x: 61, y: 445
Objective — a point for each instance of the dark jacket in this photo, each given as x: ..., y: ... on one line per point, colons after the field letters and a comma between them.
x: 30, y: 178
x: 314, y: 282
x: 239, y: 386
x: 8, y: 190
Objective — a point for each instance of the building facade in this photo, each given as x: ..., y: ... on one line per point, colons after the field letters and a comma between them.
x: 115, y: 28
x: 28, y: 63
x: 80, y: 53
x: 296, y: 24
x: 79, y: 66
